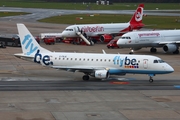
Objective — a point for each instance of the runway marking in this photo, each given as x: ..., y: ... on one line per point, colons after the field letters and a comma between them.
x: 122, y: 83
x: 177, y: 86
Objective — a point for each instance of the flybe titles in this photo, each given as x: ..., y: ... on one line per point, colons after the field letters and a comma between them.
x: 127, y: 62
x: 28, y: 42
x: 92, y: 29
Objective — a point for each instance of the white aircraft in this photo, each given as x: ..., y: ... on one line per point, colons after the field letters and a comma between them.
x: 167, y: 39
x: 91, y: 64
x: 105, y: 32
x: 47, y: 35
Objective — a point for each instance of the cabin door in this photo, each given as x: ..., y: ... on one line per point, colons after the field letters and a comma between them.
x: 145, y: 63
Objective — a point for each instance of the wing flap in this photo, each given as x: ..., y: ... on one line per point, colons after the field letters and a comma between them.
x: 79, y: 68
x: 166, y: 42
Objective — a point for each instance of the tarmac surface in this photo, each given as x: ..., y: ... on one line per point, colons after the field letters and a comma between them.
x: 31, y: 92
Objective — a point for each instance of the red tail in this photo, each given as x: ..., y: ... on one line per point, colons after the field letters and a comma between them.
x: 138, y: 15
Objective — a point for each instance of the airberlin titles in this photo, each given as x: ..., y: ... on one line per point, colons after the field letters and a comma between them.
x: 92, y: 29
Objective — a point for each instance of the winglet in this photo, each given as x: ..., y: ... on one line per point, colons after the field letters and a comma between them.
x: 103, y: 51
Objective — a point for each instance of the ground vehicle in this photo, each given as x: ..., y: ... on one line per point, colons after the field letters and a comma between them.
x: 75, y: 41
x: 113, y: 44
x: 49, y: 40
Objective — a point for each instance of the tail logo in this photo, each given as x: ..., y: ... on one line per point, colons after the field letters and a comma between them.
x: 139, y: 14
x: 28, y: 42
x: 45, y: 60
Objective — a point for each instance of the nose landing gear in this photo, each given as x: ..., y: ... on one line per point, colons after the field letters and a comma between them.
x: 151, y: 78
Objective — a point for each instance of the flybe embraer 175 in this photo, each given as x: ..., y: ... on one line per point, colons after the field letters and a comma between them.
x: 169, y: 40
x: 105, y: 32
x: 91, y: 64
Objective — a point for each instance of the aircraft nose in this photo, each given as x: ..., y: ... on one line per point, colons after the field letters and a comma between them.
x: 63, y: 34
x: 119, y: 42
x: 170, y: 69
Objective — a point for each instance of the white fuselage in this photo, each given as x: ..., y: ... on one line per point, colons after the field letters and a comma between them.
x: 148, y: 38
x: 115, y: 63
x: 47, y: 35
x: 94, y: 30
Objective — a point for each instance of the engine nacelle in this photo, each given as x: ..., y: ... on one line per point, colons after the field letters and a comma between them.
x: 169, y: 48
x: 101, y: 74
x: 106, y: 38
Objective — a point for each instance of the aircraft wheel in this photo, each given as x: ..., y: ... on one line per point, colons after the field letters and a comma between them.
x: 176, y: 52
x: 131, y: 53
x: 153, y: 50
x: 92, y: 43
x: 151, y: 80
x: 85, y: 77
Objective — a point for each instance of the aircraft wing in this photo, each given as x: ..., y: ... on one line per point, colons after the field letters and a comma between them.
x: 166, y: 42
x: 115, y: 33
x: 79, y: 68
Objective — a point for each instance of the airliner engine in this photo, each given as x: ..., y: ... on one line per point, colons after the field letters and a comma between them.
x: 101, y: 74
x: 106, y: 38
x: 170, y: 48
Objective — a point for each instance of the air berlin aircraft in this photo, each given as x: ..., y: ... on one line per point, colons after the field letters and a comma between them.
x: 105, y: 32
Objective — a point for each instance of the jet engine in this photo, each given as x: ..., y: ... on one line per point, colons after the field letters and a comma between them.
x: 106, y: 38
x: 170, y: 48
x: 101, y: 74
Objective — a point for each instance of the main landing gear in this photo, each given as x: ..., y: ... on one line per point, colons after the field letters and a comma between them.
x: 85, y: 77
x: 153, y: 50
x: 132, y: 51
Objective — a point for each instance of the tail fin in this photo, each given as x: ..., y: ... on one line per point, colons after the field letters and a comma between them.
x: 138, y: 15
x: 28, y: 43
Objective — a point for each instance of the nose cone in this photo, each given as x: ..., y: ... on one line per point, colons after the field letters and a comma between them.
x: 64, y: 34
x: 169, y: 69
x: 119, y: 42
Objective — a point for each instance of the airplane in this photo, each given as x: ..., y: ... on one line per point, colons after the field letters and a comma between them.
x: 167, y: 39
x: 98, y: 65
x: 104, y: 32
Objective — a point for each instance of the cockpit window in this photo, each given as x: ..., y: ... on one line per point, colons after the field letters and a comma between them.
x: 69, y: 29
x: 155, y: 61
x: 158, y: 61
x: 125, y: 37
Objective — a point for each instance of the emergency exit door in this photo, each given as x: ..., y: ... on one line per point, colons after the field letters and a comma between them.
x: 145, y: 63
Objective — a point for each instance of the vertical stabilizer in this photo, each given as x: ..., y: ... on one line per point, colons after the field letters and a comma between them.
x: 28, y: 43
x: 138, y: 15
